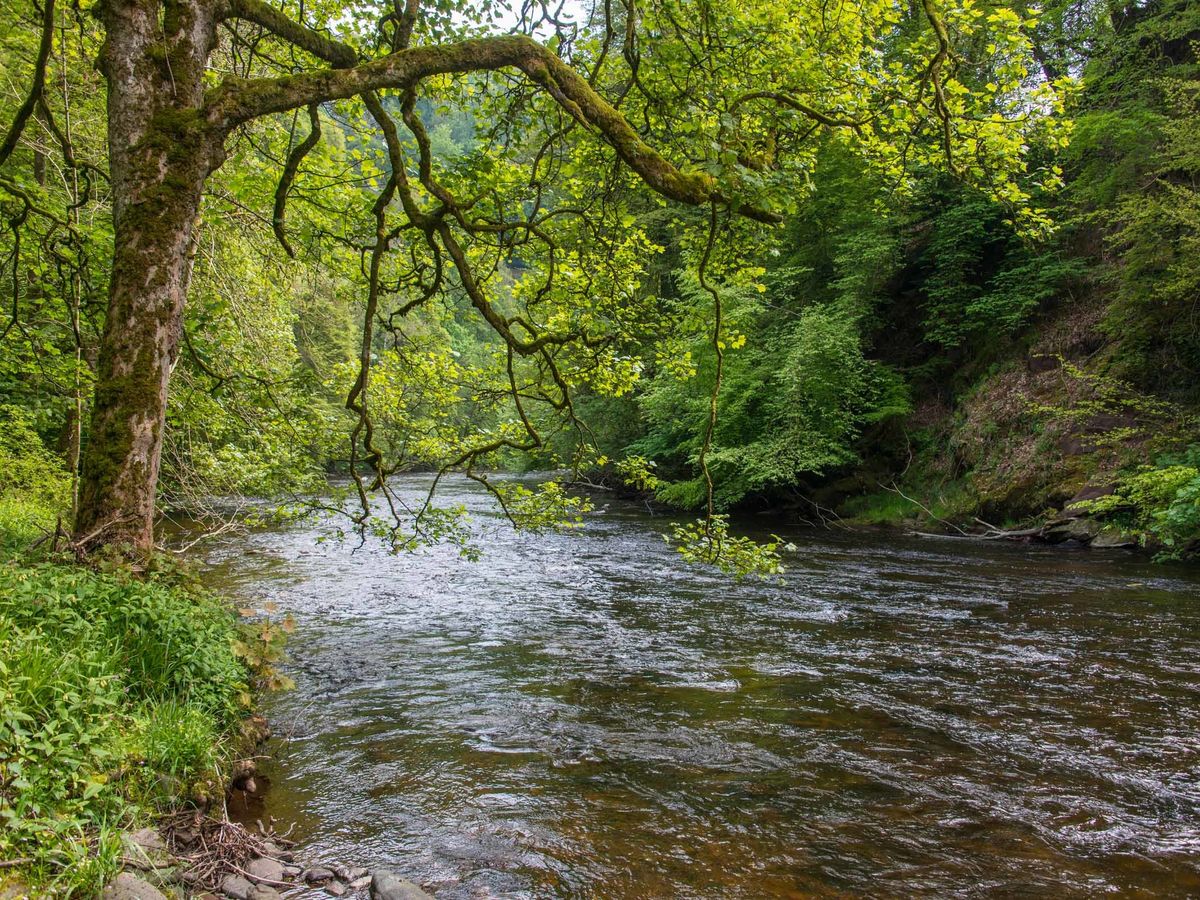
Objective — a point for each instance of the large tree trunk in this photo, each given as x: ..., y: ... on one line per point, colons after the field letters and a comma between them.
x: 160, y: 152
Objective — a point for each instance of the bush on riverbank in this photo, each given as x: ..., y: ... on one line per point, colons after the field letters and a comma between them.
x: 119, y: 698
x: 1159, y: 504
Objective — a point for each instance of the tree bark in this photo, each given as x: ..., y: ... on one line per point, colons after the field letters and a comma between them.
x: 160, y: 154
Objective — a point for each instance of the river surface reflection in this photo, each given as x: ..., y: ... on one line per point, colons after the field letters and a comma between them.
x: 586, y: 716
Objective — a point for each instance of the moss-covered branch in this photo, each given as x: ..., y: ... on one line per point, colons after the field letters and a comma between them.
x: 241, y: 100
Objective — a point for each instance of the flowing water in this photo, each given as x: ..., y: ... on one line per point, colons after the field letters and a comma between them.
x: 586, y: 716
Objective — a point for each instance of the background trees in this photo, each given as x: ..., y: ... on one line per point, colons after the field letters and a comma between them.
x: 489, y: 261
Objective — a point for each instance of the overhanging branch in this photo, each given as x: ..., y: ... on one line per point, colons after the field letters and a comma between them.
x: 293, y: 32
x: 240, y: 100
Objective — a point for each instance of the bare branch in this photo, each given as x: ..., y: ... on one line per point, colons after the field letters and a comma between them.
x: 294, y: 159
x: 800, y: 107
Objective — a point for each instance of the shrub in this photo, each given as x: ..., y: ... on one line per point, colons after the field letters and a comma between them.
x: 34, y: 484
x: 1159, y: 503
x: 114, y: 697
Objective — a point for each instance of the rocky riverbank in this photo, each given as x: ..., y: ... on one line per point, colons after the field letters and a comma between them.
x: 195, y: 854
x: 158, y: 868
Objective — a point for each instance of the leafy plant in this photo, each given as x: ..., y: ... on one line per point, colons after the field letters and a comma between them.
x: 710, y: 542
x: 34, y: 486
x: 1160, y: 502
x: 116, y: 696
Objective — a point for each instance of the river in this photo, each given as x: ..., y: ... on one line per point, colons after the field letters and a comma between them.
x: 586, y: 716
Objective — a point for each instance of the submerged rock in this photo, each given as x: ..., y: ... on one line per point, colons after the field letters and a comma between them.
x: 244, y: 771
x: 388, y: 886
x: 128, y: 886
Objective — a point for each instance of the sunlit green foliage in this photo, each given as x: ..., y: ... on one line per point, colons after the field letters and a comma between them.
x: 113, y: 694
x: 34, y: 488
x: 710, y: 542
x: 916, y: 151
x: 1159, y: 503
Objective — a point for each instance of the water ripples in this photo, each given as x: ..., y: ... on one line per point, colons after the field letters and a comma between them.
x: 588, y: 717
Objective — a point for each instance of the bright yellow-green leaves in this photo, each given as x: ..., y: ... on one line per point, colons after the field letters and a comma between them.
x: 876, y: 71
x: 561, y: 245
x: 544, y: 507
x: 710, y: 542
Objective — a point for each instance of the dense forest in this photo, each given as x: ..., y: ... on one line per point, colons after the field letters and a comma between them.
x: 924, y: 264
x: 969, y: 315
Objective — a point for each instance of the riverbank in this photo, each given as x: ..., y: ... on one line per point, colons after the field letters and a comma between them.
x: 124, y: 699
x: 1100, y: 519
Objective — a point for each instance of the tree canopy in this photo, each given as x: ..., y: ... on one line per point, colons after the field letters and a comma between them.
x: 467, y: 223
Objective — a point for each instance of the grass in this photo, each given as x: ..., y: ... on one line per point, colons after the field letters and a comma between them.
x: 953, y: 501
x: 879, y: 508
x: 117, y: 697
x: 120, y: 697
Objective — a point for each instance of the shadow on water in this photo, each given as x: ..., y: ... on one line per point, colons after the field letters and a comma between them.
x: 580, y: 716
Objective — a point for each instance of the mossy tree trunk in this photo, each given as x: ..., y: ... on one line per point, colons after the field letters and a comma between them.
x: 160, y: 155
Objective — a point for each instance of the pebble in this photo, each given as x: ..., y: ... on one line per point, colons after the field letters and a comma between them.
x: 262, y: 892
x: 148, y: 839
x: 335, y: 888
x: 389, y: 886
x: 128, y: 886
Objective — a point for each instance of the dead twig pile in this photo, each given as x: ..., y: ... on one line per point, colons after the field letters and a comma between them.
x: 210, y: 849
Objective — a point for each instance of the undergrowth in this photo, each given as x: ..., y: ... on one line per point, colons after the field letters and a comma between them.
x: 1159, y: 504
x: 121, y: 697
